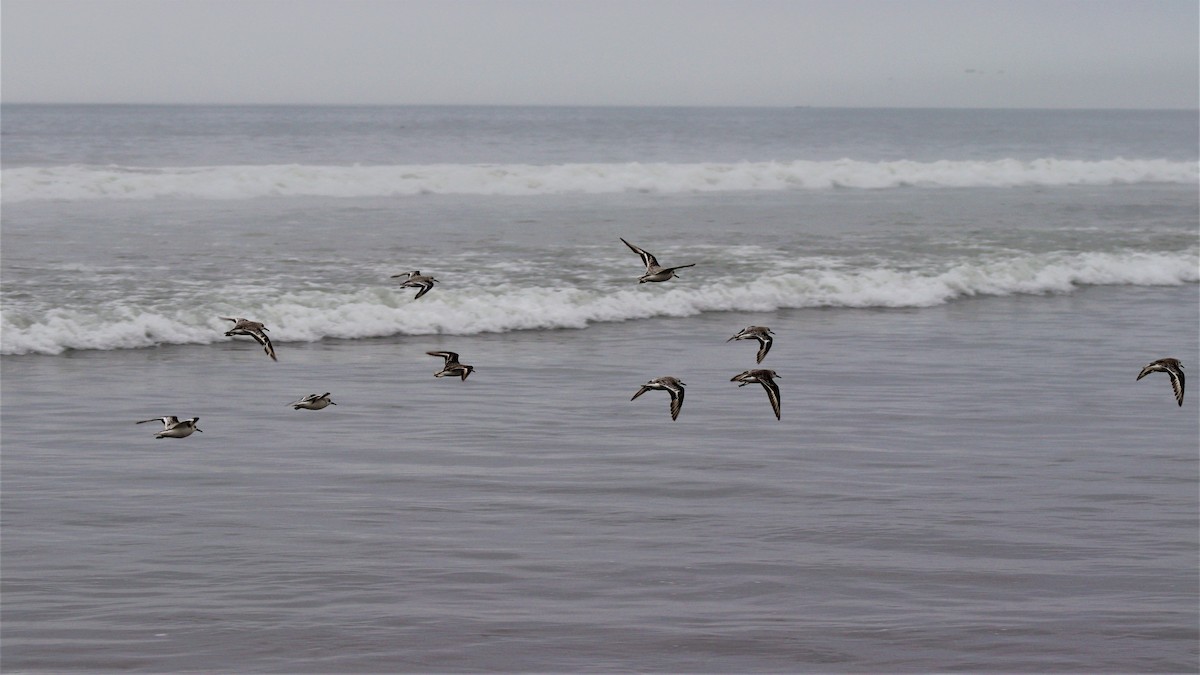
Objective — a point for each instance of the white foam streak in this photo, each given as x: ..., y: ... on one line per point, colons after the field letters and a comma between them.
x: 124, y: 328
x: 79, y: 182
x: 379, y: 312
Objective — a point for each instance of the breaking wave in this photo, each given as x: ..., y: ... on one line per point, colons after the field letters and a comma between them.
x: 82, y: 182
x: 388, y: 311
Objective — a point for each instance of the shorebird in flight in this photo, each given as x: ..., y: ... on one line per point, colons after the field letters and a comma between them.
x: 764, y: 377
x: 415, y: 279
x: 1171, y: 367
x: 669, y: 384
x: 654, y: 271
x: 313, y: 402
x: 254, y: 329
x: 760, y: 333
x: 173, y: 427
x: 452, y: 366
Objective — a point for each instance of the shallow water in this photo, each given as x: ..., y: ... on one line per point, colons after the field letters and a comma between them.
x: 950, y: 488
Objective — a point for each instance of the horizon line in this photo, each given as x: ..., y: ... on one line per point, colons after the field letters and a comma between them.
x: 165, y: 104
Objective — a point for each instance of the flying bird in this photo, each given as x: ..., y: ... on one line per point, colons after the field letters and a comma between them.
x: 452, y: 366
x: 654, y: 271
x: 173, y: 427
x: 254, y: 329
x: 415, y: 279
x: 672, y: 386
x: 1171, y: 367
x: 313, y: 402
x: 764, y: 377
x: 760, y: 333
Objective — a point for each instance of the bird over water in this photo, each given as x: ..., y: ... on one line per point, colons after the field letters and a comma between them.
x: 452, y: 367
x: 654, y: 271
x: 254, y: 329
x: 764, y: 377
x: 313, y: 402
x: 669, y: 384
x: 1171, y: 367
x: 760, y: 333
x: 173, y: 427
x: 415, y: 279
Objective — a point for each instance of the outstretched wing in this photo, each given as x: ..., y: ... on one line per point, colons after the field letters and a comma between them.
x: 1177, y: 381
x: 772, y: 393
x: 641, y: 391
x: 676, y: 401
x: 449, y: 356
x: 764, y: 345
x: 425, y: 286
x: 265, y: 342
x: 677, y: 267
x: 648, y: 259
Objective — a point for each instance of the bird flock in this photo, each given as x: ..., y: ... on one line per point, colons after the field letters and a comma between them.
x: 173, y: 427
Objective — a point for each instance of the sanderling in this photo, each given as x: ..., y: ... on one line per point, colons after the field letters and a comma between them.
x: 671, y: 385
x: 415, y: 279
x: 173, y: 427
x: 254, y: 329
x: 764, y: 377
x: 654, y: 271
x: 452, y: 367
x: 1171, y: 367
x: 312, y: 402
x: 760, y: 333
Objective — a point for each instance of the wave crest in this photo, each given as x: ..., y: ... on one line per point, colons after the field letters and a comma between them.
x: 79, y: 182
x: 375, y: 312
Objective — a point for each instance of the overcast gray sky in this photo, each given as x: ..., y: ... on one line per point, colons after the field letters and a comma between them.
x: 935, y: 53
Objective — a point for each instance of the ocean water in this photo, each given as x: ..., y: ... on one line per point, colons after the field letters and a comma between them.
x: 966, y: 475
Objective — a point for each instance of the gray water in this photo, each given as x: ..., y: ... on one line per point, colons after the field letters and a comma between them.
x: 966, y: 475
x: 954, y: 488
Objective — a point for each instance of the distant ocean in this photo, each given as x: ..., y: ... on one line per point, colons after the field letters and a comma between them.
x: 966, y: 475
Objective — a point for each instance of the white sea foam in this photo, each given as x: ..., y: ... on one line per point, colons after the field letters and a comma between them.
x: 79, y: 182
x: 379, y: 312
